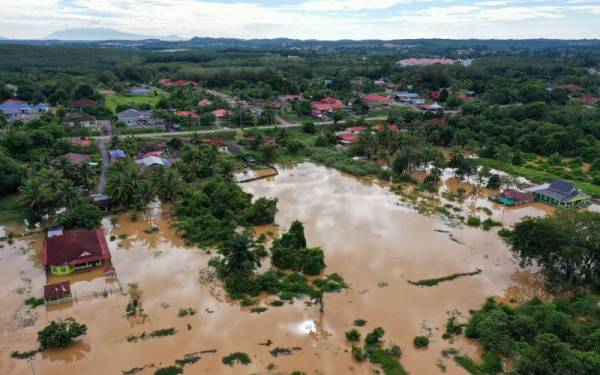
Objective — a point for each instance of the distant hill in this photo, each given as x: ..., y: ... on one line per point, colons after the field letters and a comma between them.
x: 3, y: 38
x: 102, y: 33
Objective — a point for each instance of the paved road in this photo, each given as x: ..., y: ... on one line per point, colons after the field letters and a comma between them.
x: 105, y: 164
x: 209, y: 131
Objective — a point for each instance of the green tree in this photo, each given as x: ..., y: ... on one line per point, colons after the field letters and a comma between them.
x: 67, y: 194
x: 239, y: 255
x: 11, y: 174
x: 566, y: 246
x: 35, y: 197
x: 60, y: 334
x: 84, y: 215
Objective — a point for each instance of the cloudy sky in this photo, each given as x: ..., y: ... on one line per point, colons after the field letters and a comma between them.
x: 320, y: 19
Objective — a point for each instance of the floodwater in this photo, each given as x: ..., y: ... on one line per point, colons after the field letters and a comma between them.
x: 370, y: 237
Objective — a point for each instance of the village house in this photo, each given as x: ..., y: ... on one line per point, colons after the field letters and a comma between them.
x: 220, y: 113
x: 376, y: 100
x: 75, y: 250
x: 79, y: 141
x: 148, y: 162
x: 77, y: 159
x: 325, y: 107
x: 116, y: 155
x: 187, y: 114
x: 141, y: 91
x: 406, y: 97
x: 204, y: 103
x: 80, y: 119
x: 219, y: 144
x: 57, y: 293
x: 132, y: 118
x: 562, y: 194
x: 82, y: 104
x: 14, y: 110
x: 425, y: 62
x: 513, y: 197
x: 432, y: 108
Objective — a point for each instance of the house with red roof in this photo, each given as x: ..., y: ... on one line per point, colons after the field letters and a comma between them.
x: 392, y: 127
x: 571, y: 87
x: 204, y: 103
x: 57, y: 293
x: 326, y: 106
x: 355, y: 129
x: 187, y: 114
x: 345, y: 139
x: 81, y: 142
x: 75, y: 250
x: 14, y: 101
x: 376, y: 100
x: 220, y: 113
x: 439, y: 122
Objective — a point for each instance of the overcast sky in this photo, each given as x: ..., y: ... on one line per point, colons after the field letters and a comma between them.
x: 317, y: 19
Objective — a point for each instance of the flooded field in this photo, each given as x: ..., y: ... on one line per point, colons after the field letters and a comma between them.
x: 370, y: 237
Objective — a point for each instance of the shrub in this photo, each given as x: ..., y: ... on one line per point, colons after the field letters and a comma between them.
x: 353, y: 335
x: 395, y: 351
x: 473, y: 221
x: 34, y: 302
x: 238, y: 357
x: 374, y: 336
x: 359, y: 354
x: 421, y: 341
x: 171, y: 370
x: 360, y: 322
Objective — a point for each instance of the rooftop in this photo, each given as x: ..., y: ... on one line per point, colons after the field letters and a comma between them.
x: 76, y: 247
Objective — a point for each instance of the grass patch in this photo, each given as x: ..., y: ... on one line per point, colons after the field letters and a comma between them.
x: 284, y: 351
x: 258, y: 310
x: 186, y: 312
x: 112, y: 102
x: 146, y: 336
x: 434, y: 282
x: 10, y: 209
x: 23, y: 355
x: 239, y: 357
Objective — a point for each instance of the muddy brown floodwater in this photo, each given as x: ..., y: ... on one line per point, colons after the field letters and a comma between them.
x: 369, y: 237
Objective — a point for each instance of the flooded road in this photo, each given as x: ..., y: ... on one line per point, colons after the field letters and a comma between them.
x: 377, y: 243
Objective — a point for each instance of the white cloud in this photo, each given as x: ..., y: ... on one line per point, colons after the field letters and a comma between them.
x: 348, y: 5
x: 322, y: 19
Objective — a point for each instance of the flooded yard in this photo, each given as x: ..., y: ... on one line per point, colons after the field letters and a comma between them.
x: 370, y: 237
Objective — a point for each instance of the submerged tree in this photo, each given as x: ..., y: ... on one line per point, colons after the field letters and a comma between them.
x: 60, y: 334
x: 239, y: 255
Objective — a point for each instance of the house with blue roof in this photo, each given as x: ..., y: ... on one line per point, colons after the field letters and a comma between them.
x: 18, y: 110
x: 562, y: 194
x: 117, y: 154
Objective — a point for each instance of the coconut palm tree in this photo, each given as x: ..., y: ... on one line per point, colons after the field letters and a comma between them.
x: 85, y: 175
x: 239, y: 256
x: 68, y: 195
x: 169, y: 184
x: 145, y: 195
x: 34, y: 197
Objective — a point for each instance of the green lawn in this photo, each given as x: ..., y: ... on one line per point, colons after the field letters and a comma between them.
x: 10, y: 210
x: 538, y: 176
x: 113, y: 101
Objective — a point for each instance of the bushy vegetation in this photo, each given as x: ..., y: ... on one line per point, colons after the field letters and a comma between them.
x: 60, y: 334
x: 86, y: 216
x: 237, y: 357
x: 290, y: 252
x: 566, y: 246
x: 421, y: 341
x: 436, y: 281
x: 540, y: 338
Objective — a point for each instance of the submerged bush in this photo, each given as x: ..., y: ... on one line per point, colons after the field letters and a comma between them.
x: 60, y: 334
x: 421, y: 341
